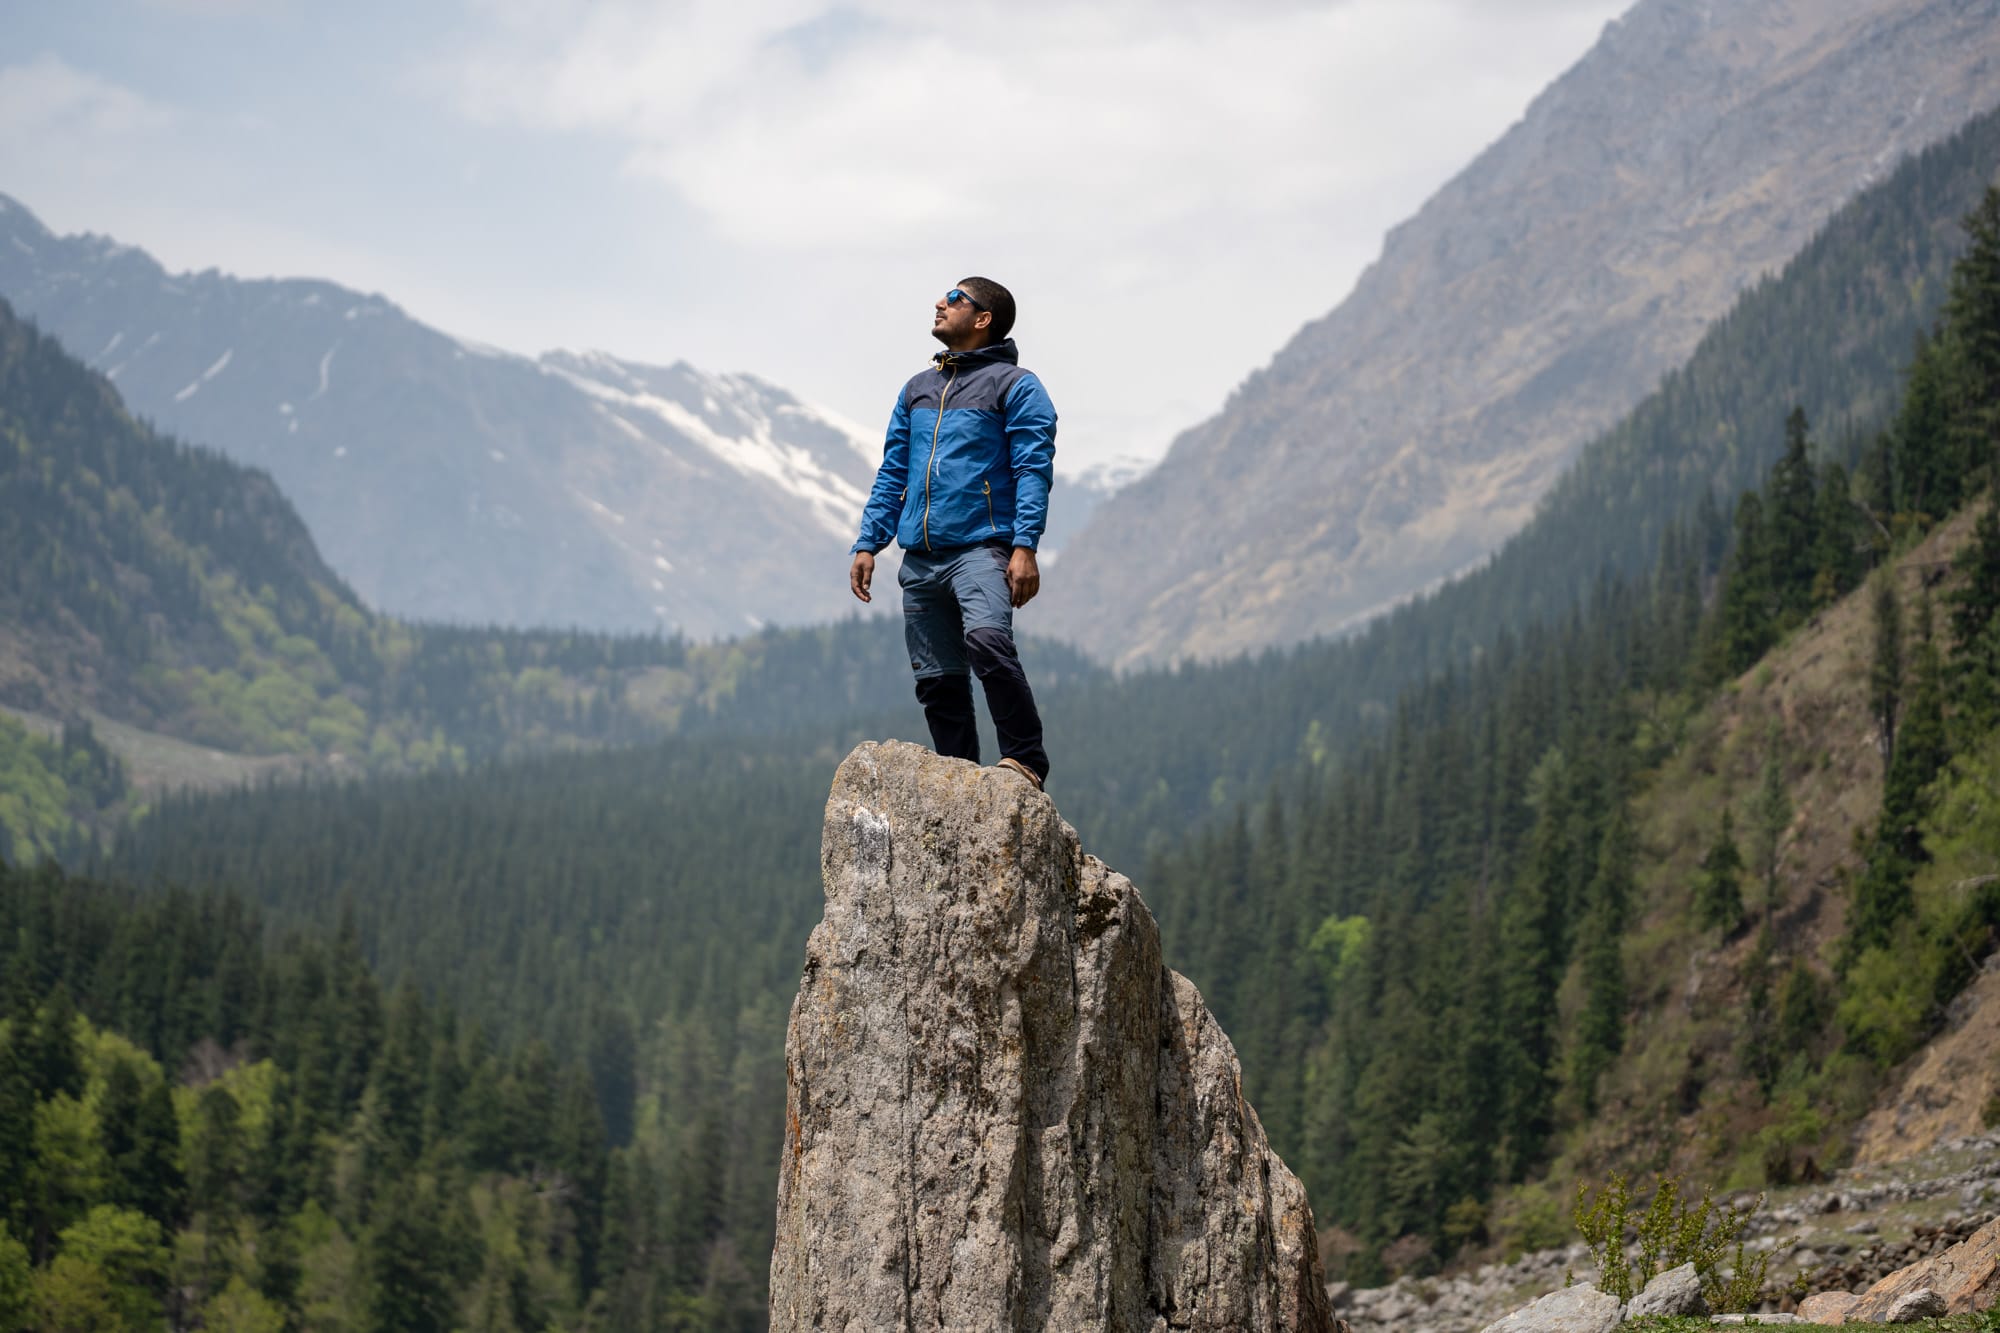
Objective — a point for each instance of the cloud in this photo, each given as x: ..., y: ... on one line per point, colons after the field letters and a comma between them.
x: 48, y: 98
x: 795, y: 124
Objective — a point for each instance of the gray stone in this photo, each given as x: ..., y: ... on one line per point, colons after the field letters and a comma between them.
x: 1578, y: 1309
x: 1003, y: 1111
x: 1674, y: 1292
x: 1827, y: 1307
x: 1923, y: 1303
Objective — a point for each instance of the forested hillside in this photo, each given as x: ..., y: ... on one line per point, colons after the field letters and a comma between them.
x: 1428, y: 958
x: 202, y: 1127
x: 159, y: 583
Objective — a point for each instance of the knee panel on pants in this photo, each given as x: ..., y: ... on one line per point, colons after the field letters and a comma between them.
x: 990, y: 651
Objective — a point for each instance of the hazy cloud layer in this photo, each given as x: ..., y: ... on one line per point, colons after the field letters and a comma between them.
x: 798, y: 124
x: 48, y: 99
x: 1170, y: 187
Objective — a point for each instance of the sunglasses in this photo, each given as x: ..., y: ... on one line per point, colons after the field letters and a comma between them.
x: 957, y: 294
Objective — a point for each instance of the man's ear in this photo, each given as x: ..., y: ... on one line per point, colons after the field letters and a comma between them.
x: 982, y: 319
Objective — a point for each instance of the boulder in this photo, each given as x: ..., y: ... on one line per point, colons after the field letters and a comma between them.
x: 1003, y: 1111
x: 1966, y: 1277
x: 1674, y: 1292
x: 1911, y: 1306
x: 1579, y: 1309
x: 1827, y: 1307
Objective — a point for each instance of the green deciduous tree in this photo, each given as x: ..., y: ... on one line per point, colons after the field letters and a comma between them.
x: 17, y: 1287
x: 128, y: 1248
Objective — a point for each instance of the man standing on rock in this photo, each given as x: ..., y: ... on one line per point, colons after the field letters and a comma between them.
x: 964, y: 488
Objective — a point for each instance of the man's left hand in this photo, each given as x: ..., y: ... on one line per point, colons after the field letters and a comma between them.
x: 1024, y: 578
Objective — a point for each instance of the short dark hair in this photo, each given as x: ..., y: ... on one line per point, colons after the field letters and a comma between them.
x: 999, y: 303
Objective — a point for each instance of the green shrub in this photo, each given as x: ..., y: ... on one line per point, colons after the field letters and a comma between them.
x: 1670, y: 1233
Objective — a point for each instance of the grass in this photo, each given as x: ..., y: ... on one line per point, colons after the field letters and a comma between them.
x: 1951, y: 1323
x: 158, y: 762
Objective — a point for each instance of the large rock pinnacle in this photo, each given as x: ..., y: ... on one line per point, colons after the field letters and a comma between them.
x: 1004, y: 1112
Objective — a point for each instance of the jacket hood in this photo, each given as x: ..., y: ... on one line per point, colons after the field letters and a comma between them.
x: 1002, y: 351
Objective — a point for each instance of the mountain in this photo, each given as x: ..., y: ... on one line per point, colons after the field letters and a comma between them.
x: 1526, y: 306
x: 448, y: 481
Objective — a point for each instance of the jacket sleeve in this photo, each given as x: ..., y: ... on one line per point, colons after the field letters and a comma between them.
x: 885, y: 498
x: 1031, y: 445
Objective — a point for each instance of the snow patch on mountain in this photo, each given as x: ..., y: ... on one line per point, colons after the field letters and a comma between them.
x: 325, y: 372
x: 220, y: 363
x: 735, y: 418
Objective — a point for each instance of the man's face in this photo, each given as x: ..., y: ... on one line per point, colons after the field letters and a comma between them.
x: 959, y: 325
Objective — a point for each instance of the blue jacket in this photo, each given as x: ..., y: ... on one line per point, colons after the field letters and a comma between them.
x: 969, y: 457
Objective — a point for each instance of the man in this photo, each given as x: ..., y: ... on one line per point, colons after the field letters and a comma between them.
x: 964, y: 488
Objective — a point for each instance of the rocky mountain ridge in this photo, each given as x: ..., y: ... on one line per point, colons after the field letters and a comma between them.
x: 1003, y: 1110
x: 449, y: 481
x: 1535, y: 298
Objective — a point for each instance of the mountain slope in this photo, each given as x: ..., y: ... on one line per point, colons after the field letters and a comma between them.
x: 447, y: 481
x: 1530, y: 302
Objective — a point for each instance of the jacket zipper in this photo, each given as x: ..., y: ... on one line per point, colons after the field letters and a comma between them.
x: 930, y: 469
x: 991, y: 526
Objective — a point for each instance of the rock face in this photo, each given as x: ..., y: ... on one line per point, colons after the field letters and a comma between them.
x: 1003, y: 1111
x: 1531, y: 302
x: 1963, y: 1279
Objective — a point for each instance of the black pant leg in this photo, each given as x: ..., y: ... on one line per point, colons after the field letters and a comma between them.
x: 947, y: 702
x: 1015, y: 718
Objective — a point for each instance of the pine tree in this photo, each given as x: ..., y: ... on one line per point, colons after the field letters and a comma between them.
x: 1926, y: 490
x: 1976, y: 598
x: 17, y: 1131
x: 1885, y: 668
x: 1600, y: 1033
x: 1718, y: 891
x: 1746, y: 621
x: 1883, y: 898
x: 1838, y: 547
x: 411, y: 1263
x: 54, y: 1063
x: 1921, y: 748
x: 1773, y: 812
x: 142, y: 1140
x: 1973, y: 312
x: 1535, y: 953
x: 1791, y: 511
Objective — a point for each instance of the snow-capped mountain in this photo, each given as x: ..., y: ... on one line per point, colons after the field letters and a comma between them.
x: 445, y: 480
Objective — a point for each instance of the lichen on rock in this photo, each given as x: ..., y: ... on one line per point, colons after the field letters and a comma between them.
x: 1003, y: 1111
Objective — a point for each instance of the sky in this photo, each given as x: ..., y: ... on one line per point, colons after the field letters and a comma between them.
x: 1169, y: 188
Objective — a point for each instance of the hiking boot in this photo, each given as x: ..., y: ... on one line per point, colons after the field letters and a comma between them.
x: 1021, y: 768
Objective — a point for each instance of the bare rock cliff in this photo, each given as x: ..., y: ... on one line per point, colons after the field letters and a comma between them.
x: 1004, y: 1112
x: 1528, y: 305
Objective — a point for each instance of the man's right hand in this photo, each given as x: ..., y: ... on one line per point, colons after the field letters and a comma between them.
x: 861, y: 573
